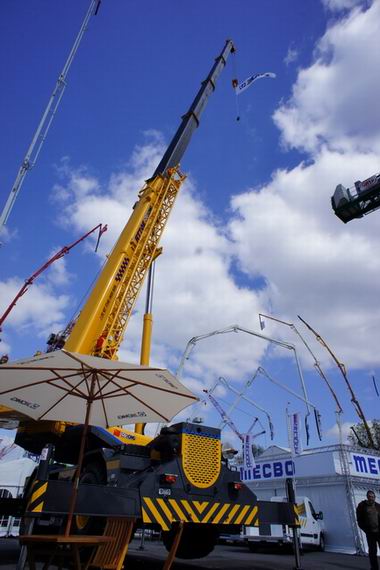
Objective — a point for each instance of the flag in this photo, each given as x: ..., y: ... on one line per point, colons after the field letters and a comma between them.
x: 245, y: 84
x: 248, y: 458
x: 295, y: 434
x: 375, y: 385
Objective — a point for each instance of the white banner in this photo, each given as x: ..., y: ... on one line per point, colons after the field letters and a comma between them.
x: 245, y: 84
x: 295, y: 434
x: 279, y: 469
x: 364, y: 465
x: 248, y: 458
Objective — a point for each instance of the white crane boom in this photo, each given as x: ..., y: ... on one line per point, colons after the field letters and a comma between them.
x: 317, y: 365
x: 236, y: 329
x: 226, y: 419
x: 241, y: 396
x: 39, y: 137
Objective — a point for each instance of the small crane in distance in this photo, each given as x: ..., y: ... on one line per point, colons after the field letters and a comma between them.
x: 63, y: 251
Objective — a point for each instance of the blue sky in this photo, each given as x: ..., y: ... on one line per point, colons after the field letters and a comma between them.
x: 252, y: 231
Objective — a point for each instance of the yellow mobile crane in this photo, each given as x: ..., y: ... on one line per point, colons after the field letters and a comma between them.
x: 178, y: 479
x: 100, y: 327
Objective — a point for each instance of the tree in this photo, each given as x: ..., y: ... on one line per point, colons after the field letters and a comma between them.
x: 359, y: 436
x: 257, y: 450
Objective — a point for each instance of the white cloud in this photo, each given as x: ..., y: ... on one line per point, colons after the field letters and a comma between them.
x: 41, y: 310
x: 313, y: 264
x: 338, y: 5
x: 286, y: 231
x: 333, y: 432
x: 58, y: 274
x: 7, y: 234
x: 291, y: 56
x: 335, y: 101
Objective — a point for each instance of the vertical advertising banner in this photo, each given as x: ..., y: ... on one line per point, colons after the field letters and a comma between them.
x: 295, y: 434
x: 248, y: 458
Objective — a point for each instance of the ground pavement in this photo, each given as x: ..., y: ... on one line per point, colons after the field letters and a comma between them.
x: 224, y: 557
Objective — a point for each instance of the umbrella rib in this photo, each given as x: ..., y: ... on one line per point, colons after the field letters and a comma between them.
x: 139, y: 400
x: 71, y: 355
x: 64, y: 379
x: 102, y: 401
x: 137, y: 382
x: 46, y: 381
x: 115, y: 393
x: 79, y: 392
x: 22, y: 368
x: 105, y: 375
x: 86, y: 374
x: 68, y: 393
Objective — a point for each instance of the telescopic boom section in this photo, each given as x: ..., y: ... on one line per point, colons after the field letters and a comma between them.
x: 190, y: 121
x: 100, y: 327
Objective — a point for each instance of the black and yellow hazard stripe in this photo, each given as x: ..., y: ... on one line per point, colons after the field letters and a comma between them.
x: 36, y: 501
x: 166, y: 511
x: 301, y: 509
x: 296, y: 516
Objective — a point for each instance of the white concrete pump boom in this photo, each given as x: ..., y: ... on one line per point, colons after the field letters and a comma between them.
x: 317, y: 365
x: 262, y: 371
x: 343, y: 371
x: 236, y: 328
x: 226, y: 419
x: 241, y: 395
x: 41, y: 132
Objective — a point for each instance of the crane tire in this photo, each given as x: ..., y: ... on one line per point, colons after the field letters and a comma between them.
x: 92, y: 474
x: 322, y: 544
x: 197, y: 540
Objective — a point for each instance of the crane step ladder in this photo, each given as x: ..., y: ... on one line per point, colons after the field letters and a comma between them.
x: 111, y: 555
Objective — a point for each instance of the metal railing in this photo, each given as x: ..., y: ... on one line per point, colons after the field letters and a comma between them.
x: 9, y: 526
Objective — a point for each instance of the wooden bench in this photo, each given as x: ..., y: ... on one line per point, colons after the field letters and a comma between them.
x: 60, y: 546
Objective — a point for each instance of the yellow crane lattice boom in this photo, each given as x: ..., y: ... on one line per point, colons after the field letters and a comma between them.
x: 100, y: 327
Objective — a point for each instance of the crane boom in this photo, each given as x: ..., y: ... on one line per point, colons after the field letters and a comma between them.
x: 343, y: 371
x: 41, y: 132
x: 100, y: 327
x: 223, y: 414
x: 317, y: 365
x: 190, y: 121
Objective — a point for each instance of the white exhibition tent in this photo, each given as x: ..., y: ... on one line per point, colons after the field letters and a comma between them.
x: 14, y: 469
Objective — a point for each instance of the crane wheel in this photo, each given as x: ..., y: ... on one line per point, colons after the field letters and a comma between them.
x: 197, y: 540
x: 92, y: 474
x: 322, y: 544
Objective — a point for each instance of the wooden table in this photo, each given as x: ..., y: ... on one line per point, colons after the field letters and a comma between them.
x: 35, y: 543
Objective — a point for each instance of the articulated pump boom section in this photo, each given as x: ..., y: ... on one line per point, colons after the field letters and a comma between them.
x: 179, y: 477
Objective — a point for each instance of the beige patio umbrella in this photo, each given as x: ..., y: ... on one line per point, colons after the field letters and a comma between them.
x: 85, y: 389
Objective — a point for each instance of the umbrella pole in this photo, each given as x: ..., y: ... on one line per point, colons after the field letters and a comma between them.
x: 74, y: 492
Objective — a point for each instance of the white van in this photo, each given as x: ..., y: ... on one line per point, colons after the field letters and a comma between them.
x: 311, y: 530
